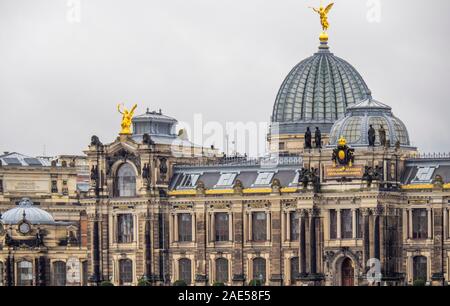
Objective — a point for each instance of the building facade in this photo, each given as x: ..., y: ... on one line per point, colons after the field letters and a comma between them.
x: 352, y: 205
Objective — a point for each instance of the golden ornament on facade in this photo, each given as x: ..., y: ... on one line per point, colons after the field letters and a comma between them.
x: 127, y: 116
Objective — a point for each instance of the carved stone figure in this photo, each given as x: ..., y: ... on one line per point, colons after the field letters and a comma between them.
x: 146, y: 172
x: 95, y: 141
x: 371, y: 135
x: 315, y: 178
x: 146, y: 139
x: 94, y: 173
x: 308, y: 139
x: 318, y: 138
x: 382, y: 133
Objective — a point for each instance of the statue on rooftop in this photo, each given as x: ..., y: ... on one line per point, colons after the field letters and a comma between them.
x: 323, y: 13
x: 308, y: 139
x: 318, y: 138
x: 382, y: 133
x: 127, y: 115
x: 371, y: 136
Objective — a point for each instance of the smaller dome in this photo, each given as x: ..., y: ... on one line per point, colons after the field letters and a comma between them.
x: 354, y: 127
x: 26, y: 211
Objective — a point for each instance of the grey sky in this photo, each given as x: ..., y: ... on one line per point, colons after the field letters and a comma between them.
x: 60, y: 82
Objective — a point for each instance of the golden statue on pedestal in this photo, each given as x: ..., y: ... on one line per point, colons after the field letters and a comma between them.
x: 127, y: 115
x: 323, y: 13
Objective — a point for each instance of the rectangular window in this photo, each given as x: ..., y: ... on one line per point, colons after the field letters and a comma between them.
x: 264, y: 178
x: 424, y: 174
x: 125, y: 228
x: 184, y: 227
x: 346, y: 224
x: 360, y: 224
x: 259, y: 226
x: 189, y: 180
x: 294, y: 226
x: 420, y: 224
x: 221, y: 229
x: 333, y: 224
x: 226, y: 179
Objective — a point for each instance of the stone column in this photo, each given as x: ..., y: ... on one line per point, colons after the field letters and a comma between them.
x: 230, y: 227
x: 148, y: 246
x: 313, y: 241
x: 238, y: 273
x: 338, y: 222
x: 302, y: 250
x: 445, y: 223
x: 376, y: 233
x: 354, y: 223
x: 212, y: 218
x: 287, y: 225
x: 9, y: 271
x: 250, y: 228
x: 430, y: 223
x: 405, y: 223
x: 366, y: 235
x: 410, y: 223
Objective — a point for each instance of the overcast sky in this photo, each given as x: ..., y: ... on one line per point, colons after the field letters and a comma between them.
x: 61, y: 76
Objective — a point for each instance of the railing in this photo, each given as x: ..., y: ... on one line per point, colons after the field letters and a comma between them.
x: 283, y: 160
x: 435, y: 155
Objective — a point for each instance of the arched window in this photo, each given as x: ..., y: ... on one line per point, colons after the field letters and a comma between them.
x: 221, y: 270
x: 259, y: 269
x: 1, y: 274
x: 420, y: 268
x: 295, y: 264
x: 25, y: 273
x: 59, y: 273
x: 126, y: 181
x: 125, y: 272
x: 185, y: 272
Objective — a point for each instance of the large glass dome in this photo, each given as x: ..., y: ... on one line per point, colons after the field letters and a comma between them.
x: 355, y: 125
x: 317, y: 92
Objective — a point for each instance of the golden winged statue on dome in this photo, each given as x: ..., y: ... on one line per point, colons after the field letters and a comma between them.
x: 323, y: 12
x: 127, y: 116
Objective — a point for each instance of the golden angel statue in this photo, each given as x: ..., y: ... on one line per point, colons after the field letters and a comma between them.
x: 127, y: 115
x: 323, y: 12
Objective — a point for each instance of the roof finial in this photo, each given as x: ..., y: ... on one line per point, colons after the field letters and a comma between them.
x: 323, y: 13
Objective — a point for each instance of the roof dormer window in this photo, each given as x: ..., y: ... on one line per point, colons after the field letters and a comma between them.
x: 189, y: 180
x: 226, y: 179
x: 264, y: 178
x: 424, y: 174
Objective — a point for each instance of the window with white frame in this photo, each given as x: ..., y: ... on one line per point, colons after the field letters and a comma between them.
x: 189, y: 180
x: 424, y: 174
x: 125, y: 271
x: 125, y: 228
x: 264, y: 178
x: 59, y: 273
x: 221, y: 270
x: 226, y: 179
x: 25, y: 273
x: 185, y: 270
